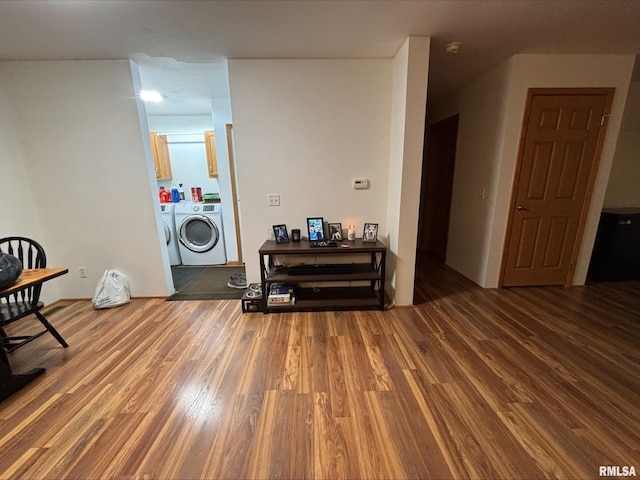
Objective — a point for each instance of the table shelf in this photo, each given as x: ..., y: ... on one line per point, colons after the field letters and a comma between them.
x: 331, y: 298
x: 322, y: 294
x: 360, y: 271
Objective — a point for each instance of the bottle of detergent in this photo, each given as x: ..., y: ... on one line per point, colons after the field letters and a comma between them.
x: 181, y: 192
x: 162, y: 194
x: 175, y: 195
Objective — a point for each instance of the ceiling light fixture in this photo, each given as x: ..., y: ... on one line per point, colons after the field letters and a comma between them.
x: 452, y: 48
x: 151, y: 96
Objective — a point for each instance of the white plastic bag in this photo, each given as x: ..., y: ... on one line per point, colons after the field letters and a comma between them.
x: 112, y: 290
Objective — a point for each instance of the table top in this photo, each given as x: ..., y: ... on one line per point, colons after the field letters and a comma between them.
x: 270, y: 247
x: 622, y: 211
x: 33, y: 276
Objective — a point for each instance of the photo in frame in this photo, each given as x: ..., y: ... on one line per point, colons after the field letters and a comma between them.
x: 335, y: 231
x: 370, y: 233
x: 280, y: 231
x: 315, y: 228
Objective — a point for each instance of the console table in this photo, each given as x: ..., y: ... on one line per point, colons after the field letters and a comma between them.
x: 323, y: 272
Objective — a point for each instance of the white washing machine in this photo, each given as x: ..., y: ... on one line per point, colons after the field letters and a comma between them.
x: 199, y: 227
x: 170, y: 232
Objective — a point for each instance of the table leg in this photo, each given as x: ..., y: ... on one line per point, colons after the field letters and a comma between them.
x: 263, y: 285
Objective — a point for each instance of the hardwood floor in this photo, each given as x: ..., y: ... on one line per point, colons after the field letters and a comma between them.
x: 519, y: 383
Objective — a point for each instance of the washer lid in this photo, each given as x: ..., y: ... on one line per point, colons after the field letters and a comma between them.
x: 198, y: 233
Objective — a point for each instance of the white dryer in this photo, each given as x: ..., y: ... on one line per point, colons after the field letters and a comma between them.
x: 170, y: 232
x: 199, y: 227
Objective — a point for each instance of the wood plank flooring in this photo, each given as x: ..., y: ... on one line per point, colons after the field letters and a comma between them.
x: 521, y: 383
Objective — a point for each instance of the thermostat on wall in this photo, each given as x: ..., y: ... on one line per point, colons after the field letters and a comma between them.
x: 360, y: 183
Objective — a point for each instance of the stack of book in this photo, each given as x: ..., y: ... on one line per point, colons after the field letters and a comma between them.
x: 281, y: 294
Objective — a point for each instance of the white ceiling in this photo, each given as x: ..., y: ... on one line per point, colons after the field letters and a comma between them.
x: 181, y: 43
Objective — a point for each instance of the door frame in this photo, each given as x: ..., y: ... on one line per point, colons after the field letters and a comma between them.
x: 531, y: 92
x: 234, y: 192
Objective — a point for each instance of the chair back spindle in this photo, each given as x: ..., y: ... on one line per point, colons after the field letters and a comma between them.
x: 31, y: 254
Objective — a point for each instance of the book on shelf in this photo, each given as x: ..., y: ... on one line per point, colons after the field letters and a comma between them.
x: 281, y: 294
x: 280, y: 301
x: 280, y: 289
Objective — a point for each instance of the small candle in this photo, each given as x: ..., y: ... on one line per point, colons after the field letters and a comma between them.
x: 351, y: 234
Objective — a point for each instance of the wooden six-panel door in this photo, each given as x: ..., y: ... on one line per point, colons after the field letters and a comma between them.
x: 560, y: 146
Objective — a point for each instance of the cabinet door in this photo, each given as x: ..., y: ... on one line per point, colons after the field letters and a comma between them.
x: 160, y: 150
x: 212, y: 161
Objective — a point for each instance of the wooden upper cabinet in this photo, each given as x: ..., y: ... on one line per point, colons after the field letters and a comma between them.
x: 160, y: 150
x: 212, y: 161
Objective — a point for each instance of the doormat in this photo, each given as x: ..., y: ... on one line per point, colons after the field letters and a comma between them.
x: 183, y: 275
x: 209, y: 284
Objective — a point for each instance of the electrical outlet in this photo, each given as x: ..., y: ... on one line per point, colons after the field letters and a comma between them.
x: 82, y: 271
x: 273, y: 199
x: 361, y: 183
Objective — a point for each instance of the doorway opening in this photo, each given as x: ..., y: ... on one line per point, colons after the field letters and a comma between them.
x: 437, y: 188
x: 192, y: 145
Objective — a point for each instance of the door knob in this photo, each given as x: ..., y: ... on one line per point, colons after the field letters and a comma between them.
x: 520, y: 207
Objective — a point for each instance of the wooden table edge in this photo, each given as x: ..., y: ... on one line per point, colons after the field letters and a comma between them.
x: 34, y: 276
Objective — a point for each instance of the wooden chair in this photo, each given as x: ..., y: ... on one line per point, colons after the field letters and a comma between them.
x: 24, y: 302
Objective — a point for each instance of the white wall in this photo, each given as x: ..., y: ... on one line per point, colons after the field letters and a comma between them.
x: 189, y: 166
x: 89, y: 168
x: 623, y: 189
x: 504, y: 91
x: 187, y: 152
x: 18, y: 212
x: 409, y: 97
x: 305, y: 129
x: 165, y: 124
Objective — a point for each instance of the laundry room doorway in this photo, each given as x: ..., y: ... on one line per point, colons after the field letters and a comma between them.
x: 190, y: 131
x: 204, y: 245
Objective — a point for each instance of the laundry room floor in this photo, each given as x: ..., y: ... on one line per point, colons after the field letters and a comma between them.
x: 204, y: 283
x: 183, y: 275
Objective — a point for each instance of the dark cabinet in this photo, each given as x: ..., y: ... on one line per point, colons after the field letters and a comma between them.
x: 616, y: 252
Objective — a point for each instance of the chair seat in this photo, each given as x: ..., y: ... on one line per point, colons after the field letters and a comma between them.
x: 12, y: 311
x: 9, y: 313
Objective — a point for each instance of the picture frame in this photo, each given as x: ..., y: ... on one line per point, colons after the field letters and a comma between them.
x: 335, y: 231
x: 315, y: 228
x: 280, y: 231
x: 370, y: 233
